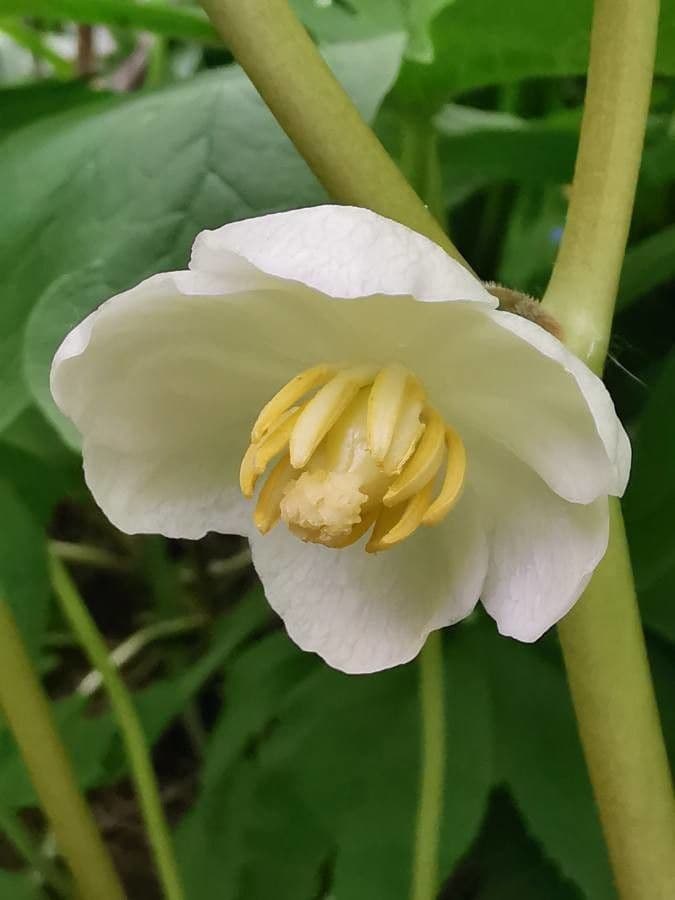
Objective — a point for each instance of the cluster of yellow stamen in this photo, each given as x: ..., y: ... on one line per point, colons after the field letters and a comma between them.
x: 359, y: 447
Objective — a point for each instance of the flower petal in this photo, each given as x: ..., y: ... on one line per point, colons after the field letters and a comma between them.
x: 343, y: 251
x: 600, y: 405
x: 164, y: 383
x: 363, y: 613
x: 543, y: 550
x: 508, y: 379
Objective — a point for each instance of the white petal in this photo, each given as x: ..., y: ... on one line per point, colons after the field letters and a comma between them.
x: 543, y: 550
x: 342, y: 251
x: 609, y: 427
x: 164, y: 383
x: 363, y: 613
x: 508, y: 379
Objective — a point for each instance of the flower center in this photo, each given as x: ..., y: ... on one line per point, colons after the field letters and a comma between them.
x: 359, y: 447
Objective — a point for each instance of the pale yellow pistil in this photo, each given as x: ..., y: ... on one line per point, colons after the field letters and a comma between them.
x: 358, y: 447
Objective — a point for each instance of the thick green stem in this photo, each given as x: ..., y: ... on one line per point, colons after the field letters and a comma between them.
x: 29, y: 716
x: 582, y: 290
x: 430, y: 808
x: 421, y: 166
x: 602, y: 639
x: 310, y: 105
x: 130, y: 727
x: 618, y: 720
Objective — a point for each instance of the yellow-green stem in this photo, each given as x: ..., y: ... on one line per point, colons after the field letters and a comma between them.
x: 430, y: 806
x: 582, y: 290
x: 138, y: 754
x: 602, y: 639
x: 310, y: 105
x: 618, y: 720
x: 29, y: 716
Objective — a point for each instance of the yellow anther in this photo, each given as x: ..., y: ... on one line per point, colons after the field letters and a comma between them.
x: 453, y: 481
x: 259, y: 455
x: 323, y: 411
x: 422, y: 465
x: 409, y: 429
x: 289, y: 395
x: 384, y: 406
x: 247, y: 473
x: 268, y: 508
x: 360, y: 450
x: 397, y: 524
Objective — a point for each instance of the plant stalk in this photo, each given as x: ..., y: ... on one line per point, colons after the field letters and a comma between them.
x: 279, y: 57
x: 140, y: 763
x: 602, y: 640
x: 430, y: 807
x: 29, y: 716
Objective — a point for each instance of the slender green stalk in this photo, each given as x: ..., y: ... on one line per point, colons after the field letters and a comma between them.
x: 140, y: 762
x: 22, y: 841
x: 602, y: 639
x: 29, y: 716
x: 429, y: 812
x: 310, y: 105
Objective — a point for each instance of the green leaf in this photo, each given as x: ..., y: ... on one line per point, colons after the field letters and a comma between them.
x: 17, y: 886
x: 649, y: 504
x: 160, y: 18
x: 350, y: 746
x: 32, y: 40
x: 204, y: 152
x: 647, y: 265
x: 24, y: 581
x: 338, y: 22
x: 505, y: 863
x: 540, y: 759
x: 486, y: 42
x: 27, y: 103
x: 257, y: 683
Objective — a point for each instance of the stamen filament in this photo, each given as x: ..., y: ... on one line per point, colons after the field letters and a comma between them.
x: 423, y: 464
x: 452, y: 483
x: 384, y: 406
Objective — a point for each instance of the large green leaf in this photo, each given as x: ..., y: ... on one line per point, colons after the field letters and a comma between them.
x: 649, y: 503
x: 540, y: 758
x: 93, y: 203
x: 26, y: 103
x: 24, y: 582
x: 17, y: 886
x: 505, y: 863
x: 487, y: 42
x: 350, y: 746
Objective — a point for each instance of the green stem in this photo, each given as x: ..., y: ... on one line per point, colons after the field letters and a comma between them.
x: 29, y: 716
x: 611, y: 686
x: 429, y: 813
x: 311, y: 106
x: 140, y: 762
x: 602, y: 639
x: 24, y: 844
x: 582, y: 290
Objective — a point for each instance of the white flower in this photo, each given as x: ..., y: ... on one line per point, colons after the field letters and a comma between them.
x: 470, y: 432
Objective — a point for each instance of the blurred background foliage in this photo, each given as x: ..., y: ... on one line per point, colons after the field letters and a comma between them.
x: 126, y: 128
